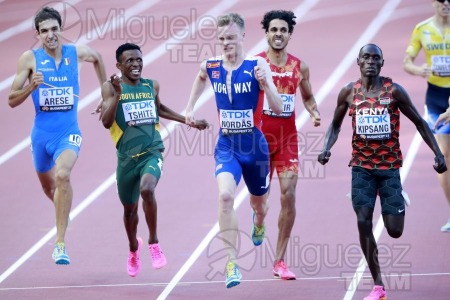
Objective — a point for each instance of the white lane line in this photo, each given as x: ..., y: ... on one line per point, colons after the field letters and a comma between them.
x: 207, y: 282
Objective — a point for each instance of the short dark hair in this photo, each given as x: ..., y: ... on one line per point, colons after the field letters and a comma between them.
x: 372, y: 45
x: 125, y: 47
x: 46, y: 13
x: 285, y: 15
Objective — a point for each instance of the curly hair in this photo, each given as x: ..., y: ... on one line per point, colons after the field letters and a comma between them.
x: 285, y: 15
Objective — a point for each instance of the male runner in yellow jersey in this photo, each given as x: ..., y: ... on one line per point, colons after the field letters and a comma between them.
x: 431, y: 36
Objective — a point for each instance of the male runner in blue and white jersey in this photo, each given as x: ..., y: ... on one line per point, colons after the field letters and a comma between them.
x: 239, y: 83
x: 52, y: 72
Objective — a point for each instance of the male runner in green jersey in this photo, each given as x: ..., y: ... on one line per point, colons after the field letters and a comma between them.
x: 131, y: 109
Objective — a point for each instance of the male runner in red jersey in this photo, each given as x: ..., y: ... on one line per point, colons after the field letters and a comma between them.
x: 288, y: 73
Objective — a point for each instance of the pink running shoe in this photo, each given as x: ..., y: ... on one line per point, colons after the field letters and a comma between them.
x: 378, y: 293
x: 158, y: 257
x: 134, y: 262
x: 280, y: 270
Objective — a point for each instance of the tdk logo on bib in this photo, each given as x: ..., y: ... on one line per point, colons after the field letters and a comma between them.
x: 139, y: 112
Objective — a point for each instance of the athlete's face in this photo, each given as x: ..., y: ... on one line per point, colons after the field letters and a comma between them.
x: 442, y: 8
x: 278, y: 34
x: 131, y: 65
x: 50, y: 34
x: 231, y: 39
x: 370, y: 61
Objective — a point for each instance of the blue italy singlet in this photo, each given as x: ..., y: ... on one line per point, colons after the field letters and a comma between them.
x: 54, y: 101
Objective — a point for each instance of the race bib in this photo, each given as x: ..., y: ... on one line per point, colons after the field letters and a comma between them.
x: 139, y: 112
x: 440, y: 65
x: 288, y: 106
x: 373, y: 127
x: 56, y: 99
x: 75, y: 139
x: 236, y: 121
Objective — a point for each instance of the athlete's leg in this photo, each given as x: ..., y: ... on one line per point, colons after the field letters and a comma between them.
x: 394, y: 225
x: 288, y: 183
x: 128, y: 189
x: 63, y: 191
x: 364, y: 193
x: 444, y: 178
x: 260, y: 207
x: 148, y: 185
x: 227, y: 216
x: 367, y: 241
x: 48, y: 184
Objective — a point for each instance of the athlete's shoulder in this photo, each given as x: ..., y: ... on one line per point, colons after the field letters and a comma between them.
x: 262, y: 54
x: 147, y: 81
x: 214, y: 58
x: 424, y: 24
x: 293, y: 57
x: 252, y: 57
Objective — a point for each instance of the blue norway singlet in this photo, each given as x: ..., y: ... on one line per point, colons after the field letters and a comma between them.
x: 241, y: 148
x: 243, y: 114
x: 54, y: 101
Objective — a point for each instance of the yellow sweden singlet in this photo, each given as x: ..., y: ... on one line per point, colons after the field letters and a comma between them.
x: 436, y: 46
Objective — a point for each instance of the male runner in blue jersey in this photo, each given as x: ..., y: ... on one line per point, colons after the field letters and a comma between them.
x: 52, y: 72
x: 239, y: 84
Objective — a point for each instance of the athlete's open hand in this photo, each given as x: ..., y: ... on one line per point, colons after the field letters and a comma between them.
x: 199, y: 124
x: 443, y: 118
x: 98, y: 109
x: 324, y: 157
x: 439, y: 164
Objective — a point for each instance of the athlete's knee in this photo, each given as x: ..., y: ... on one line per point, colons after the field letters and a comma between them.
x: 364, y: 225
x: 130, y: 211
x: 226, y: 200
x: 148, y: 193
x: 288, y: 198
x: 394, y: 232
x: 62, y: 176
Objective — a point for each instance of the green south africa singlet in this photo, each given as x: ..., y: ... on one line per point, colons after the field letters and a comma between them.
x: 136, y: 126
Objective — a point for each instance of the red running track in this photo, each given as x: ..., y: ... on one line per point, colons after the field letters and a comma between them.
x: 324, y: 251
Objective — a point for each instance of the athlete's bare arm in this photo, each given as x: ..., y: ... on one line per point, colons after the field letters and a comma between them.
x: 197, y: 89
x: 111, y: 91
x: 409, y: 110
x: 25, y: 71
x: 307, y: 95
x: 410, y: 67
x: 264, y: 75
x: 343, y: 103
